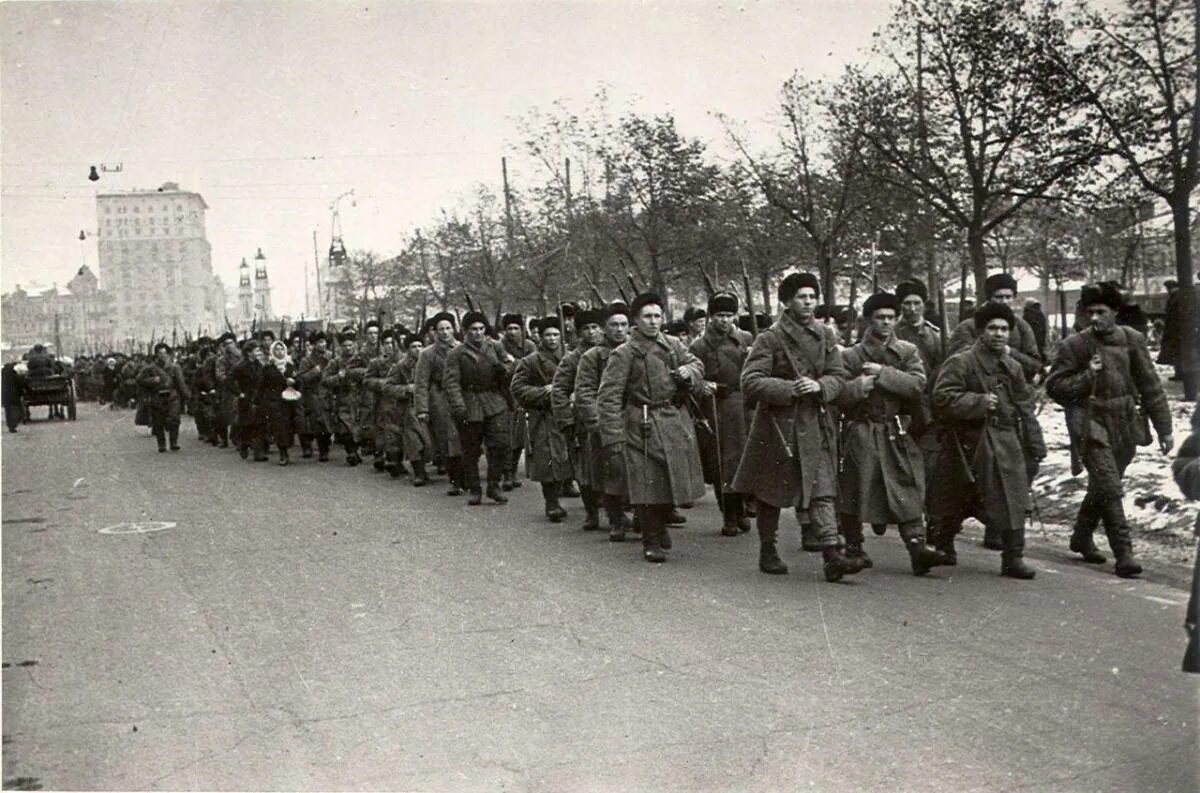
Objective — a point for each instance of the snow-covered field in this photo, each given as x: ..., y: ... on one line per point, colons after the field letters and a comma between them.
x: 1161, y: 519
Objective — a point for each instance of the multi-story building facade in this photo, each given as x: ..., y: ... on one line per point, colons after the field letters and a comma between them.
x: 157, y: 263
x: 75, y: 321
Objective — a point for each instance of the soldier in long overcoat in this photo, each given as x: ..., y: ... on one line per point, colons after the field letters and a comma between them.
x: 641, y: 419
x: 309, y: 372
x: 517, y: 346
x: 341, y: 383
x: 563, y: 403
x: 162, y: 380
x: 607, y: 472
x: 793, y: 374
x: 250, y: 428
x: 225, y: 400
x: 882, y: 473
x: 722, y: 348
x: 405, y: 435
x: 476, y: 386
x: 368, y: 350
x: 913, y: 328
x: 547, y: 456
x: 993, y: 442
x: 386, y: 356
x: 429, y: 396
x: 1103, y: 378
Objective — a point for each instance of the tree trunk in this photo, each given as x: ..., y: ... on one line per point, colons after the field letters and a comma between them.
x: 978, y: 254
x: 825, y: 263
x: 1189, y: 343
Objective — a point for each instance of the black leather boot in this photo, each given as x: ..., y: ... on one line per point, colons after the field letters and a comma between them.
x: 1085, y: 545
x: 283, y: 457
x: 838, y: 564
x: 554, y: 511
x: 174, y: 435
x: 1012, y: 563
x: 1127, y: 564
x: 420, y: 478
x: 923, y: 557
x: 591, y: 508
x: 769, y: 561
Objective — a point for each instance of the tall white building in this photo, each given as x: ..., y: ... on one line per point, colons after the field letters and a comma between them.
x: 157, y: 263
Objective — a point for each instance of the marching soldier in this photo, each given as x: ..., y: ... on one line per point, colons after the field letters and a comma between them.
x: 1001, y: 288
x: 722, y: 348
x: 607, y: 472
x: 642, y: 422
x: 245, y: 377
x: 414, y: 442
x: 369, y: 351
x: 309, y: 373
x: 993, y: 442
x: 793, y: 374
x: 566, y: 411
x: 548, y: 459
x: 225, y: 398
x: 373, y: 379
x: 429, y: 397
x: 163, y: 381
x: 517, y: 346
x: 1103, y: 378
x: 475, y: 381
x: 913, y: 328
x: 882, y: 477
x: 342, y: 384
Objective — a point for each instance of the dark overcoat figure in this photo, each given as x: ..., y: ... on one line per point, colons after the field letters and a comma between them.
x: 723, y: 355
x: 163, y: 383
x: 791, y: 449
x: 547, y: 454
x: 999, y: 449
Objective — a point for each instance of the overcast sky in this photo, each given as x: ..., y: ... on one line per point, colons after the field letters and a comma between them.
x: 271, y: 110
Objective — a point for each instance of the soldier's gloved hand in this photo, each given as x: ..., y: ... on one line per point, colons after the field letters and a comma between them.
x: 993, y: 401
x: 1096, y: 364
x: 1166, y: 443
x: 423, y: 417
x: 872, y: 368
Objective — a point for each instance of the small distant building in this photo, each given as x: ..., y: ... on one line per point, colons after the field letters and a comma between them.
x: 77, y: 320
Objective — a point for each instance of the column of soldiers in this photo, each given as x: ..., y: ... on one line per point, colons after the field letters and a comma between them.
x: 640, y: 416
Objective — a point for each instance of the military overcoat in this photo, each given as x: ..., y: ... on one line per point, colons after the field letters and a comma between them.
x: 547, y: 454
x: 791, y: 450
x: 639, y: 413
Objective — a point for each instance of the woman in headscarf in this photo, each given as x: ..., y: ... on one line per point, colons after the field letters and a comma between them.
x: 278, y: 399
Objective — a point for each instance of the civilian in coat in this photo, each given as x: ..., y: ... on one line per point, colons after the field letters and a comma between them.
x: 793, y: 374
x: 10, y: 383
x: 1103, y: 378
x: 163, y: 382
x: 429, y: 397
x: 993, y: 442
x: 642, y: 421
x: 278, y: 399
x: 882, y: 472
x: 225, y: 400
x: 723, y: 348
x: 548, y: 457
x: 476, y: 387
x: 373, y: 381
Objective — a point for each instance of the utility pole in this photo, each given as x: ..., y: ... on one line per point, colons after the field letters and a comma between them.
x: 317, y: 265
x: 508, y: 218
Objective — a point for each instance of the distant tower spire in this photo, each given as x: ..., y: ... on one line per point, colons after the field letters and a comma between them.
x: 262, y: 287
x: 245, y: 293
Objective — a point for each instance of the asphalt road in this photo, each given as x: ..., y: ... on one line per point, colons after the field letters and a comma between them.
x: 320, y: 627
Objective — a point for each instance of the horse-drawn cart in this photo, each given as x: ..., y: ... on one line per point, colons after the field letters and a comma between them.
x: 54, y: 390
